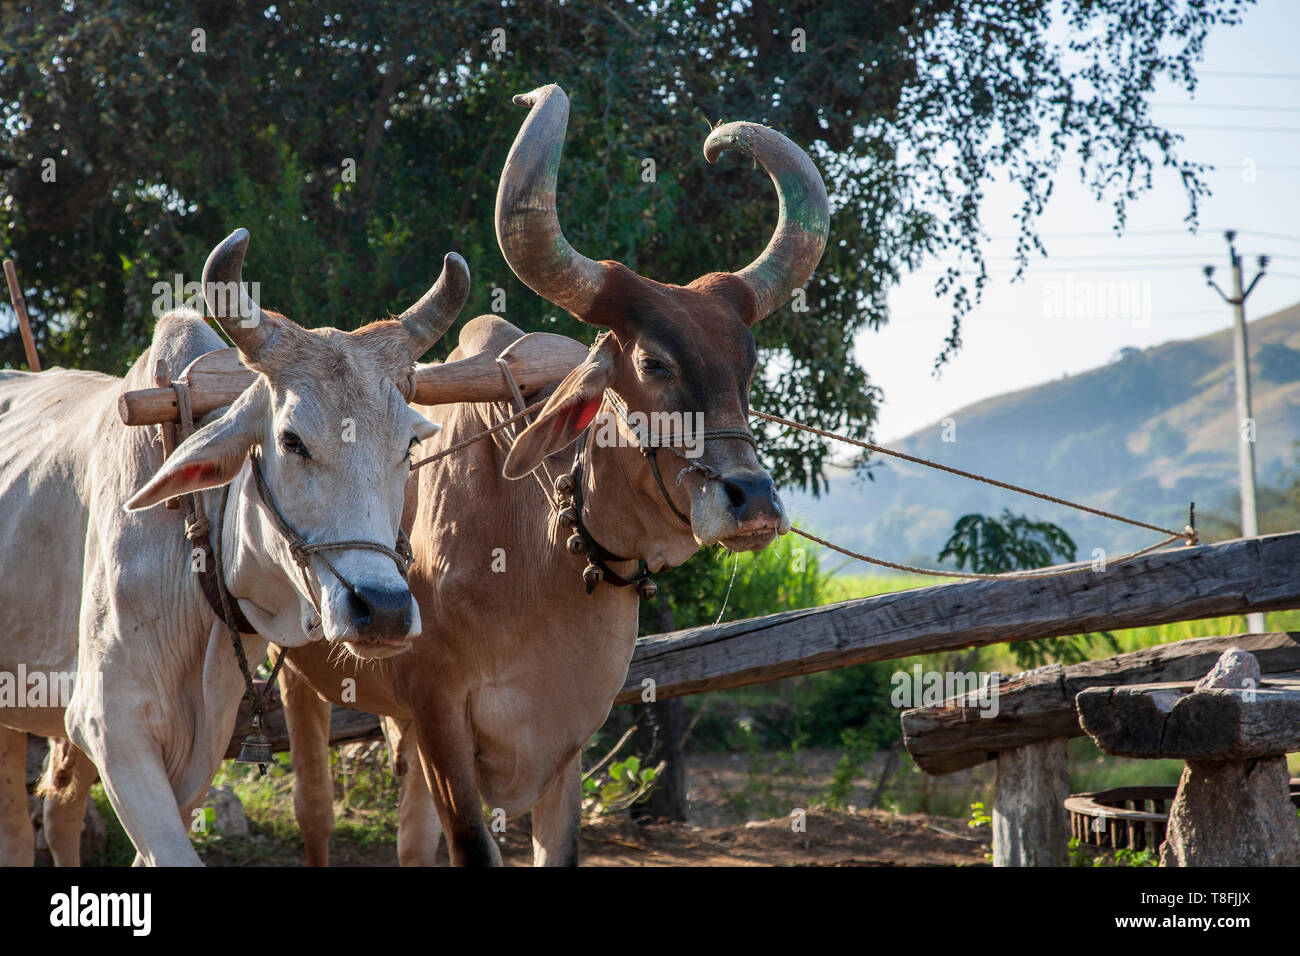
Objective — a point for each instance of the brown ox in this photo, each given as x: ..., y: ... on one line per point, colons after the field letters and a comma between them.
x: 519, y: 663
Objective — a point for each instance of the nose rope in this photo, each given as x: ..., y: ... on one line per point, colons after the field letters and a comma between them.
x: 301, y: 550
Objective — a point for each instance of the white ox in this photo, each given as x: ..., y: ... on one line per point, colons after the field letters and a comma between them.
x: 97, y: 583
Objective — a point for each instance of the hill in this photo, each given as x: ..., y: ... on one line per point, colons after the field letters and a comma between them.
x: 1143, y: 436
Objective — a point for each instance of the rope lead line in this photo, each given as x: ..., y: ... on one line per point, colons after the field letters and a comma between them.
x: 1188, y: 534
x: 880, y: 449
x: 1034, y: 573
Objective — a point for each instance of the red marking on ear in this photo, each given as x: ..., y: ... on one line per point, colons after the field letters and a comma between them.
x: 198, y: 471
x: 587, y: 413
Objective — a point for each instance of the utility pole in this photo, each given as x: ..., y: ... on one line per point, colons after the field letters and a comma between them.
x: 1245, y: 418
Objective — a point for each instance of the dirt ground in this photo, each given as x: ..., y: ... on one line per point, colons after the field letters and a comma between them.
x: 738, y: 817
x: 861, y: 838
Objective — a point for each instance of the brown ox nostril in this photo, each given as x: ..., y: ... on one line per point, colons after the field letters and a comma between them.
x: 380, y: 612
x: 751, y: 496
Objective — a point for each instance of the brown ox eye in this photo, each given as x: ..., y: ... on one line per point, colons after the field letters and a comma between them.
x: 292, y: 445
x: 653, y: 366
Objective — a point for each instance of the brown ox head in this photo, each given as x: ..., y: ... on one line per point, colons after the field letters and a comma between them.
x: 329, y: 420
x: 684, y: 349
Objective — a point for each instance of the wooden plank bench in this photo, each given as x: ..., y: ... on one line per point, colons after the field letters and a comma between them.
x: 1036, y: 715
x: 1234, y: 728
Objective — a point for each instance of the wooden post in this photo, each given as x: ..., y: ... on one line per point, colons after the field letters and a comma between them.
x: 659, y: 737
x: 20, y: 307
x: 1030, y: 825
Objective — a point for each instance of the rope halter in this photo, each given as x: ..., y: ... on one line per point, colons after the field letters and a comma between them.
x: 301, y: 550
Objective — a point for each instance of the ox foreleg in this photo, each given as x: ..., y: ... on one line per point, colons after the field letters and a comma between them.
x: 446, y: 745
x: 419, y: 831
x: 557, y: 818
x: 134, y: 775
x: 17, y: 838
x: 66, y: 791
x: 308, y: 717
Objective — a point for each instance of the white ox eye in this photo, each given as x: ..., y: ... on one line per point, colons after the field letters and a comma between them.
x: 291, y: 444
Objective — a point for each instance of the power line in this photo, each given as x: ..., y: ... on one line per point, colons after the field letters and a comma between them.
x: 1224, y: 167
x: 1156, y: 267
x: 1251, y: 76
x: 1240, y: 129
x: 1228, y: 106
x: 1120, y: 256
x: 1108, y: 234
x: 1269, y: 235
x: 1205, y: 233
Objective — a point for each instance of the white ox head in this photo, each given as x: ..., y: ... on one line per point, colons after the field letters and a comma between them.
x: 329, y: 417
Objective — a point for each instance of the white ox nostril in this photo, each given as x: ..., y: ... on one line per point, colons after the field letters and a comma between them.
x: 380, y: 613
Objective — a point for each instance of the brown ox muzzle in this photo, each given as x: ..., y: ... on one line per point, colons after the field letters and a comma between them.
x: 755, y: 509
x: 738, y: 508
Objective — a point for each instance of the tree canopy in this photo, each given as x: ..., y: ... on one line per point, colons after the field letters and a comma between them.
x: 359, y: 142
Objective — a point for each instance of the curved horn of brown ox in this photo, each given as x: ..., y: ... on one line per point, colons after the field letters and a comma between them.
x: 805, y: 216
x: 528, y: 228
x: 430, y: 318
x: 239, y: 316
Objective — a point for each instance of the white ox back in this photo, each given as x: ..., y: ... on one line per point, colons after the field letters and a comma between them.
x: 66, y: 547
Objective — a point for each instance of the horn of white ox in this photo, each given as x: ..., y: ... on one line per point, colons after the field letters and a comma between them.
x: 239, y: 316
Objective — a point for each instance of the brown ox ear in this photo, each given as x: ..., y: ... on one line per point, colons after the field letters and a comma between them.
x: 566, y: 413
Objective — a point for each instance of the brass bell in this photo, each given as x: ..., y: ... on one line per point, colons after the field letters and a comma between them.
x: 255, y: 749
x: 591, y: 576
x: 647, y: 588
x: 564, y: 484
x: 575, y: 544
x: 568, y: 517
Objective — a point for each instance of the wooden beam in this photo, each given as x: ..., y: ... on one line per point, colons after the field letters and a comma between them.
x: 217, y: 378
x: 1234, y: 577
x: 1040, y: 705
x: 1174, y: 720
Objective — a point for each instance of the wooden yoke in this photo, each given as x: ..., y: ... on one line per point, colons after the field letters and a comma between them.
x: 217, y: 378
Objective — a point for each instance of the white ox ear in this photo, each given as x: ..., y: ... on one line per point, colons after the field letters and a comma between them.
x: 213, y: 455
x: 424, y: 429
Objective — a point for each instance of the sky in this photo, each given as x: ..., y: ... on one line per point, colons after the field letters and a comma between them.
x: 1145, y: 287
